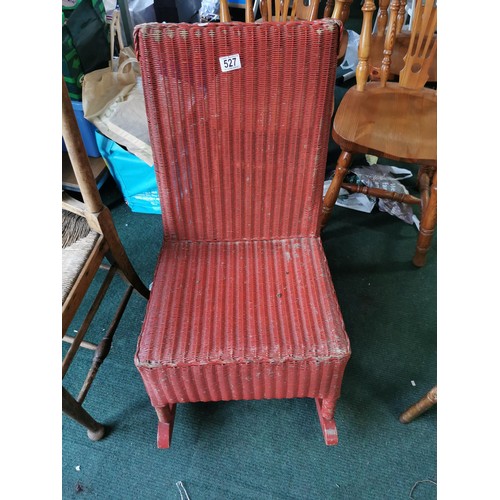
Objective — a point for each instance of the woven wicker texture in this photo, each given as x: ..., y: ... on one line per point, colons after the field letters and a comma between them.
x: 239, y: 155
x: 242, y: 305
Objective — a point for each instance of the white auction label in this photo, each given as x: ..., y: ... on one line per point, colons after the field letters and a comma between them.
x: 230, y: 63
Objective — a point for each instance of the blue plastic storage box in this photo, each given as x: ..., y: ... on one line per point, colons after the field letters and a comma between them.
x: 135, y: 178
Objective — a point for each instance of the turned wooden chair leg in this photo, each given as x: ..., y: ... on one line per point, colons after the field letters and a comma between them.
x: 343, y: 163
x: 104, y: 346
x: 429, y: 400
x: 73, y: 409
x: 166, y: 416
x: 427, y: 225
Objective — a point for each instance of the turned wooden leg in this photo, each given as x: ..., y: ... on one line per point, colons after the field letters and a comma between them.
x: 427, y: 225
x: 332, y: 194
x: 70, y: 406
x: 326, y: 409
x: 429, y: 400
x: 104, y: 346
x: 166, y: 416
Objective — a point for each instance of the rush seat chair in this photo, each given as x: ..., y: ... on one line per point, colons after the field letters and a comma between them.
x: 90, y: 242
x: 242, y: 304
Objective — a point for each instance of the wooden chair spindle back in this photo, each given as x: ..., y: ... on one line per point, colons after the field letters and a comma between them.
x: 306, y: 10
x: 400, y: 20
x: 423, y: 46
x: 362, y: 69
x: 382, y: 17
x: 329, y: 8
x: 300, y: 10
x: 340, y: 9
x: 249, y: 16
x: 390, y: 38
x: 224, y: 14
x: 389, y: 23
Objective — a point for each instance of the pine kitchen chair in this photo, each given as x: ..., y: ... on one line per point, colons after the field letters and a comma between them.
x: 242, y: 305
x: 89, y: 237
x: 394, y: 120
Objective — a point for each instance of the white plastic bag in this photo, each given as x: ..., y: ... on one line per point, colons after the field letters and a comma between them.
x: 351, y: 55
x: 378, y: 176
x: 383, y: 177
x: 209, y: 10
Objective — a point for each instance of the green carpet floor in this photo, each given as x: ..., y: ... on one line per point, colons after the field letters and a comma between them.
x: 274, y: 449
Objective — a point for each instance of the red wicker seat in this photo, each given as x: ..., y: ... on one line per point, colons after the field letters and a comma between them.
x: 242, y: 304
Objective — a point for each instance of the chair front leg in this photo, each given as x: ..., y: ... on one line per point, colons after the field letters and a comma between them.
x: 343, y: 163
x: 166, y: 416
x: 326, y: 410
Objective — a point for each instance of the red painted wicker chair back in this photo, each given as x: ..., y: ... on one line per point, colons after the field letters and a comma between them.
x: 242, y: 305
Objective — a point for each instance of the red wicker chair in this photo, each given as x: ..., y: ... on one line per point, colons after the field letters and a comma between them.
x: 242, y: 305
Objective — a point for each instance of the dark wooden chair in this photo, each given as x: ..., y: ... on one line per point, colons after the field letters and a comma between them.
x: 242, y: 304
x: 89, y: 237
x: 394, y: 120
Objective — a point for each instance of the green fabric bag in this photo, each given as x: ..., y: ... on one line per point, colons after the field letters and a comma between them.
x: 85, y: 43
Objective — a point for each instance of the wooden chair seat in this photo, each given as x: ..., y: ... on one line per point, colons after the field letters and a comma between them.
x: 89, y: 237
x: 393, y: 133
